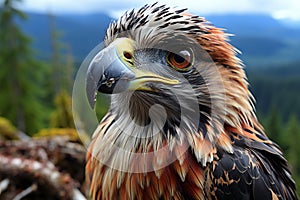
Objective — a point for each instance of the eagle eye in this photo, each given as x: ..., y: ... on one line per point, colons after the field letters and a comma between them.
x: 180, y: 60
x: 127, y: 55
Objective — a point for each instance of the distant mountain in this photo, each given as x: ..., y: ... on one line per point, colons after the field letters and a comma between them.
x: 81, y: 33
x: 249, y: 24
x: 263, y: 40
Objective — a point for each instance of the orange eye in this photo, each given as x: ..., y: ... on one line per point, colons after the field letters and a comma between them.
x: 181, y: 60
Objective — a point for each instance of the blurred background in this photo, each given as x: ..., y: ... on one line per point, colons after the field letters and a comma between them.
x: 43, y: 43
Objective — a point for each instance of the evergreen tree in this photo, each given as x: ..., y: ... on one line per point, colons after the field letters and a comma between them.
x: 292, y: 135
x: 56, y: 59
x: 62, y: 117
x: 68, y: 79
x: 61, y: 80
x: 21, y: 76
x: 273, y: 127
x: 61, y: 61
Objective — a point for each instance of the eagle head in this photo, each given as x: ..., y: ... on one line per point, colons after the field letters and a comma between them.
x: 172, y: 76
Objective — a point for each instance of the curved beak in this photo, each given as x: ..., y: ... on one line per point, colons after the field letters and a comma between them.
x: 112, y: 71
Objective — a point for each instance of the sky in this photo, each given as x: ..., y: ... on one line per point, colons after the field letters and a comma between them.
x: 279, y: 9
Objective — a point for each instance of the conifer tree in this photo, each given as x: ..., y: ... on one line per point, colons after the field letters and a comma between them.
x: 292, y: 134
x: 61, y: 79
x: 61, y: 60
x: 62, y: 117
x: 273, y: 126
x: 21, y: 76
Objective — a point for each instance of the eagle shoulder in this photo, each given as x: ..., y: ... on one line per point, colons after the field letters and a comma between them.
x: 255, y: 170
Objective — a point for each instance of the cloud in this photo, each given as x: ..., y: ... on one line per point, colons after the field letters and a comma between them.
x: 78, y: 6
x: 290, y: 11
x: 286, y: 15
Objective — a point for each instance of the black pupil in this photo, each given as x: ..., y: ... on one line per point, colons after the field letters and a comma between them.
x: 127, y: 55
x: 178, y: 58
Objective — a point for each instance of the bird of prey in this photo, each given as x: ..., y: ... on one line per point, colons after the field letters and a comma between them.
x: 181, y: 123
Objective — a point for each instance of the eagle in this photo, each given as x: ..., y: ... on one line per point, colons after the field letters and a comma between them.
x: 181, y: 122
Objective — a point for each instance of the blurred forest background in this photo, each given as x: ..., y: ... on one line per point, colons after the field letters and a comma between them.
x: 41, y: 53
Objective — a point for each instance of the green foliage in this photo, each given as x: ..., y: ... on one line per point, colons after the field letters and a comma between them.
x: 292, y: 138
x: 276, y: 87
x: 292, y: 133
x: 273, y: 126
x: 61, y: 61
x: 7, y: 130
x: 21, y: 76
x: 70, y: 133
x: 62, y: 117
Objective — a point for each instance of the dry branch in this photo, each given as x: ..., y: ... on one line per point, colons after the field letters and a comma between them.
x: 55, y: 166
